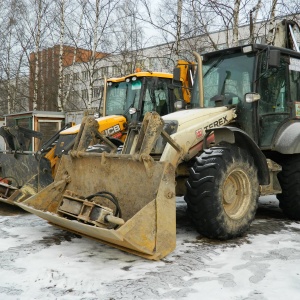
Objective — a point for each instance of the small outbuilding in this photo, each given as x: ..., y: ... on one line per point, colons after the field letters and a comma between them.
x: 46, y: 122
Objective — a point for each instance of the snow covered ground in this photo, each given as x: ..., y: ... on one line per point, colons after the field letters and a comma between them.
x: 39, y: 261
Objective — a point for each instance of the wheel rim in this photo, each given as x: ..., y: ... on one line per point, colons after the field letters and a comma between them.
x: 236, y: 194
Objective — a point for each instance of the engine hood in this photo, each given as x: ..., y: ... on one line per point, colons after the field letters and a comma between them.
x: 186, y: 117
x: 104, y: 123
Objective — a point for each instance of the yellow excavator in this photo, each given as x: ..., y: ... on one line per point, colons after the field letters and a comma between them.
x: 126, y: 100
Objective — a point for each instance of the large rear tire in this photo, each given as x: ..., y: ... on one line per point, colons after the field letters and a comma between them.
x: 289, y: 178
x: 222, y: 192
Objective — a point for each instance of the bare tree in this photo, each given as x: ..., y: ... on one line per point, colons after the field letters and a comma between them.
x: 82, y: 33
x: 235, y: 26
x: 272, y: 24
x: 178, y: 27
x: 253, y: 18
x: 128, y: 36
x: 75, y: 41
x: 39, y: 13
x: 11, y: 56
x: 94, y: 52
x: 201, y: 19
x: 61, y: 52
x: 35, y: 27
x: 90, y: 40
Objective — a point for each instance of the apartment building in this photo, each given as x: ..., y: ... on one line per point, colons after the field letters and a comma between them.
x: 44, y: 73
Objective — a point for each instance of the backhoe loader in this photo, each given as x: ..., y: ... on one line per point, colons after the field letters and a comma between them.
x: 241, y: 132
x: 126, y: 100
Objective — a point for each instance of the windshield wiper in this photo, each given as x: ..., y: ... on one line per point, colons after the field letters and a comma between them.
x: 131, y: 105
x: 218, y: 61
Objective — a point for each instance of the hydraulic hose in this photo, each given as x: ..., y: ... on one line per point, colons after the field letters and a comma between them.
x: 111, y: 198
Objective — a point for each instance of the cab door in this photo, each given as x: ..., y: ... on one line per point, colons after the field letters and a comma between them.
x: 273, y: 108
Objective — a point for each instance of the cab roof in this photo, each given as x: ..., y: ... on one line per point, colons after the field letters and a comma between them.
x: 141, y: 74
x: 254, y: 47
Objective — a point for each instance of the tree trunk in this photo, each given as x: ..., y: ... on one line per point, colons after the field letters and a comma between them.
x: 94, y: 50
x: 61, y: 51
x: 70, y: 83
x: 36, y: 56
x: 178, y: 28
x: 235, y: 29
x: 272, y: 25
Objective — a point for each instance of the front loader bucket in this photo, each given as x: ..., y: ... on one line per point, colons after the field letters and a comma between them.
x: 143, y: 191
x: 35, y: 184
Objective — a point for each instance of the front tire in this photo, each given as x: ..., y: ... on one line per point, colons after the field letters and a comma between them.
x: 222, y: 192
x: 289, y: 179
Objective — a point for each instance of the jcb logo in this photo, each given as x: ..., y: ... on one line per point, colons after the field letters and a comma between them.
x: 112, y: 130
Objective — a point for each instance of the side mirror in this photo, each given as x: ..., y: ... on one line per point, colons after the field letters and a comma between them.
x: 176, y: 77
x: 273, y: 59
x: 252, y: 97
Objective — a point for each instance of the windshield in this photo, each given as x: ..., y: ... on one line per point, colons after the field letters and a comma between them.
x: 145, y: 94
x: 226, y: 79
x: 121, y: 96
x: 157, y: 97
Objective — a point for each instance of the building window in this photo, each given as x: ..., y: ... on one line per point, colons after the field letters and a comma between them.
x: 74, y: 96
x: 114, y: 70
x: 67, y: 78
x: 85, y: 94
x: 153, y: 64
x: 95, y: 73
x: 103, y: 71
x: 85, y: 75
x: 96, y: 92
x: 76, y: 76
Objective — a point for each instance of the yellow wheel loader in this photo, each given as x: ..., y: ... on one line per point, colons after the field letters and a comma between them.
x: 126, y: 100
x: 242, y: 130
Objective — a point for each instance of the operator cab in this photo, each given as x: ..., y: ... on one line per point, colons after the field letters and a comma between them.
x: 274, y: 73
x: 138, y: 93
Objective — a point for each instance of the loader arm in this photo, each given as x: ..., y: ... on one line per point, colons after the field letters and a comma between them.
x: 80, y: 204
x: 133, y: 219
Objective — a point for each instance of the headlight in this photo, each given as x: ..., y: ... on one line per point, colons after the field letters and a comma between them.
x: 179, y: 104
x: 96, y: 115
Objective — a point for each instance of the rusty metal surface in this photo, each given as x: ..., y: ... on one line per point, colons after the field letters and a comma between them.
x: 34, y: 185
x: 6, y: 190
x: 143, y: 193
x: 151, y: 129
x: 274, y: 187
x: 144, y: 198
